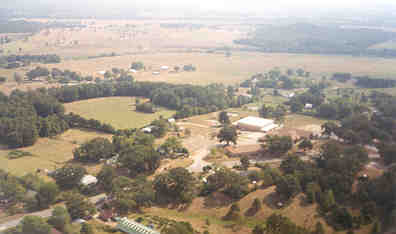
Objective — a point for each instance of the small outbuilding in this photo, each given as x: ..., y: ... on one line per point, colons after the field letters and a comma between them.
x: 156, y: 73
x: 256, y: 124
x: 88, y: 180
x: 308, y: 106
x: 164, y: 67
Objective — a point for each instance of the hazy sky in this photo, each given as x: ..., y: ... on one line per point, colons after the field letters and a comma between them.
x: 221, y: 5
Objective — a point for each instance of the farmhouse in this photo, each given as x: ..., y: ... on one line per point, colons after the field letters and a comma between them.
x: 256, y: 124
x: 88, y: 180
x: 308, y: 106
x: 132, y: 227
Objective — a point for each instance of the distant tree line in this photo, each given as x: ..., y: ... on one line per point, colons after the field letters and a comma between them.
x: 23, y: 26
x: 318, y: 39
x: 374, y: 83
x: 16, y: 61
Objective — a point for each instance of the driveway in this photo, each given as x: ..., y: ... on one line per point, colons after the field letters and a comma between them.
x: 199, y: 162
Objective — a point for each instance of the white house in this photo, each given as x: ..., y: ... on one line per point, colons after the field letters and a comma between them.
x: 88, y: 180
x: 171, y: 120
x: 308, y: 106
x: 133, y: 70
x: 156, y: 73
x: 102, y: 72
x: 147, y: 129
x: 256, y: 124
x: 164, y: 67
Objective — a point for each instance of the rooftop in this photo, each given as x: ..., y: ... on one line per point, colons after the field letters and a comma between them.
x: 132, y: 227
x: 261, y: 122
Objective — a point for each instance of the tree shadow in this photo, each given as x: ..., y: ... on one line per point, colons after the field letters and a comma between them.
x: 272, y: 200
x: 216, y: 200
x: 303, y: 201
x: 251, y: 212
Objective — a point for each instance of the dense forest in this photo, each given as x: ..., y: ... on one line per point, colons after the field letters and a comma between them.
x: 309, y: 38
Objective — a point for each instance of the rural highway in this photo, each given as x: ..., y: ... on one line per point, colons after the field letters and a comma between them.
x: 44, y: 214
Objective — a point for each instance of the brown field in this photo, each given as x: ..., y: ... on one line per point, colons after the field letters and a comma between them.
x: 48, y: 153
x: 200, y: 210
x: 107, y: 36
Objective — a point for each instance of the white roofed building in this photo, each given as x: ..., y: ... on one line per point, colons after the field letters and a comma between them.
x: 88, y: 180
x: 256, y: 124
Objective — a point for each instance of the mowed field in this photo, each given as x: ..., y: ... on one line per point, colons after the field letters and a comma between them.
x: 117, y: 111
x: 212, y: 68
x: 47, y: 153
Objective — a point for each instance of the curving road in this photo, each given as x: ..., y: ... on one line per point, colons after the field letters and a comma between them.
x: 44, y: 214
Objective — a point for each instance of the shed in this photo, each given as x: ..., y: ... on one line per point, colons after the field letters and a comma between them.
x: 156, y: 73
x: 132, y: 227
x: 147, y: 129
x: 79, y: 221
x: 308, y: 106
x: 256, y: 124
x: 133, y: 70
x: 88, y: 180
x: 164, y: 67
x: 171, y: 120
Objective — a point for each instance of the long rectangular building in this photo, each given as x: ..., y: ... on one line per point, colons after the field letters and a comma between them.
x: 256, y: 124
x: 132, y: 227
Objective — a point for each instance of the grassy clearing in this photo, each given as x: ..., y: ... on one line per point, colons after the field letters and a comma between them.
x: 117, y: 111
x: 47, y: 153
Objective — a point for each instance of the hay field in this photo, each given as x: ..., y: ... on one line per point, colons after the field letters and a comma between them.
x: 213, y: 68
x: 125, y: 36
x: 117, y: 111
x: 48, y: 153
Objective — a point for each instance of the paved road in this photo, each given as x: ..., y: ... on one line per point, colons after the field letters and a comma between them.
x: 44, y: 214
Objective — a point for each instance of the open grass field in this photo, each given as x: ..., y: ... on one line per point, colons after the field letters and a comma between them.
x: 47, y: 153
x: 117, y: 111
x: 217, y: 68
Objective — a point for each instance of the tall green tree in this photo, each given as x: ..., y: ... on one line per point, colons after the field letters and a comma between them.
x: 69, y: 176
x: 86, y: 228
x: 35, y: 225
x: 223, y: 118
x: 228, y: 134
x: 79, y: 206
x: 105, y: 178
x: 47, y: 194
x: 177, y: 185
x: 60, y: 218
